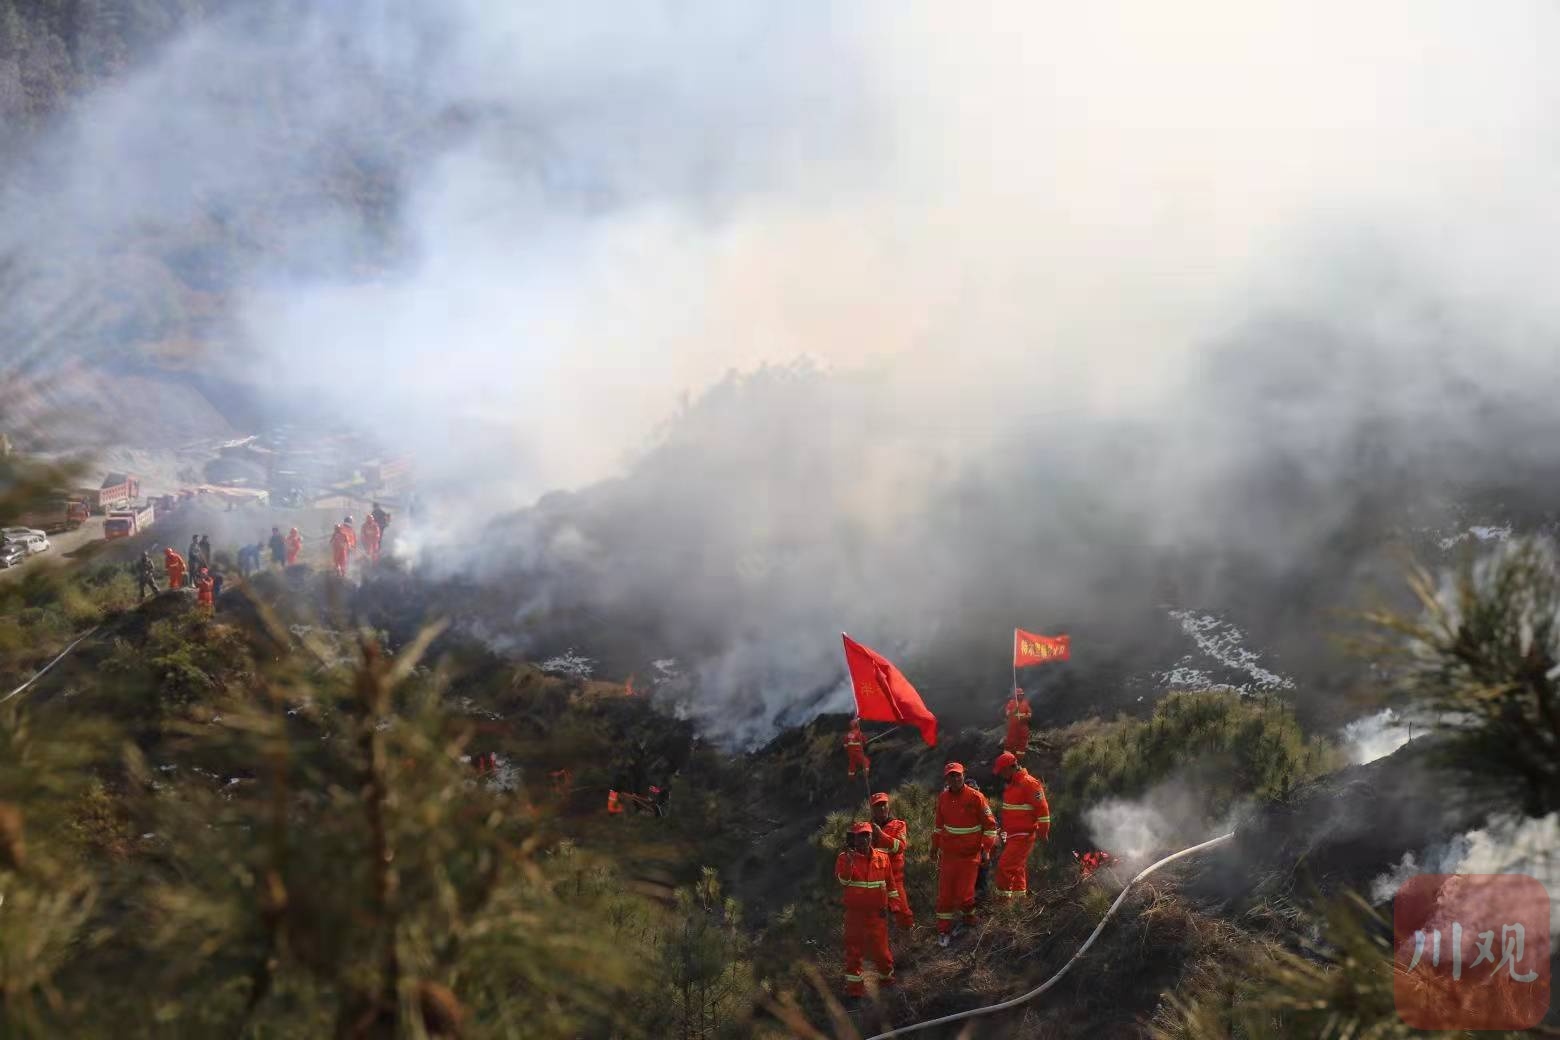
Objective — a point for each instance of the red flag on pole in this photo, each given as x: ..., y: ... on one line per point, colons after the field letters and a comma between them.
x: 883, y: 694
x: 1029, y: 648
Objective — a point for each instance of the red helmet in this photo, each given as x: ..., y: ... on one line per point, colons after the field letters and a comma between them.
x: 881, y: 798
x: 1006, y: 760
x: 861, y: 827
x: 953, y: 767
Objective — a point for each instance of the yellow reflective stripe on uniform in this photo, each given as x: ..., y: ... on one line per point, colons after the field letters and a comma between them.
x: 896, y: 847
x: 1020, y: 805
x: 946, y: 917
x: 962, y: 830
x: 853, y: 978
x: 988, y: 834
x: 1042, y: 819
x: 893, y: 895
x: 864, y: 884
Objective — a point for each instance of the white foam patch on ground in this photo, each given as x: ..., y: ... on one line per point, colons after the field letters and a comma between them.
x: 1376, y: 736
x: 1220, y: 643
x: 571, y: 665
x: 1506, y: 844
x: 1483, y: 533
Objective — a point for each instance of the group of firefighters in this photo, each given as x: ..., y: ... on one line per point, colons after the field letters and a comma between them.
x: 965, y: 834
x: 344, y: 540
x: 198, y: 573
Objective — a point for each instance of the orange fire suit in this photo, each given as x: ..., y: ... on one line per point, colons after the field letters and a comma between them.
x: 371, y: 535
x: 175, y: 565
x: 205, y: 592
x: 351, y: 537
x: 865, y: 881
x: 294, y: 546
x: 340, y: 550
x: 964, y: 831
x: 1017, y: 740
x: 856, y: 751
x: 614, y: 806
x: 896, y: 842
x: 1026, y: 816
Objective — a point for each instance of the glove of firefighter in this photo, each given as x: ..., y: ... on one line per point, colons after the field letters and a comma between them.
x: 1002, y: 836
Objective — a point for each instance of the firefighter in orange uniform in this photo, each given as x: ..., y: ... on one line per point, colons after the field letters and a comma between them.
x: 175, y: 565
x: 371, y: 535
x: 614, y: 804
x: 866, y: 878
x: 346, y: 525
x: 294, y: 546
x: 893, y: 837
x: 340, y: 550
x: 963, y: 832
x: 205, y: 591
x: 1018, y: 712
x: 856, y: 749
x: 1026, y: 817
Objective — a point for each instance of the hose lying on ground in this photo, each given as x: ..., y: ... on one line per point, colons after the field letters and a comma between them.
x: 1054, y: 979
x: 39, y: 674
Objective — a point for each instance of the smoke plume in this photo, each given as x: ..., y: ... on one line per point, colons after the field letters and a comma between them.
x: 1104, y: 310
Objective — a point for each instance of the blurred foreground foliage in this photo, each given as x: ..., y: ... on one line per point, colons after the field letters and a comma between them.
x: 1481, y: 661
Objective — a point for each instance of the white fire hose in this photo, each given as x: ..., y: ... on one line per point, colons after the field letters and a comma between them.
x: 1054, y: 979
x: 39, y: 674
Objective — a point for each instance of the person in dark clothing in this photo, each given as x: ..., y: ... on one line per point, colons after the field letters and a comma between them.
x: 145, y: 576
x: 248, y: 559
x: 278, y: 548
x: 196, y: 563
x: 205, y: 550
x: 381, y: 517
x: 216, y: 585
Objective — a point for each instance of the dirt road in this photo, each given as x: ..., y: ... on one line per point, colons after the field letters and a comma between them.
x: 62, y: 545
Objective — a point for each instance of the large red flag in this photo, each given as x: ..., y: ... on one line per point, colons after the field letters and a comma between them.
x: 1029, y: 648
x: 883, y: 694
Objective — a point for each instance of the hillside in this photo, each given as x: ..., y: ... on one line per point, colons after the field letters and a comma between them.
x: 188, y: 693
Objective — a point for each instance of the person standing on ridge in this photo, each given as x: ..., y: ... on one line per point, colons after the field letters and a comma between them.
x: 964, y: 832
x: 865, y: 877
x: 194, y: 557
x: 892, y: 835
x: 856, y: 749
x: 346, y: 525
x: 294, y: 546
x: 278, y: 546
x: 205, y: 550
x: 146, y: 575
x: 1026, y: 816
x: 205, y: 595
x: 174, y: 563
x: 1018, y: 713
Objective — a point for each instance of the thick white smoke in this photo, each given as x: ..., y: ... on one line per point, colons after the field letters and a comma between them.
x: 1507, y: 844
x: 1073, y: 274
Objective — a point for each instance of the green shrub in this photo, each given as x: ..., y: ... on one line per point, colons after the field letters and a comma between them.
x: 1230, y: 746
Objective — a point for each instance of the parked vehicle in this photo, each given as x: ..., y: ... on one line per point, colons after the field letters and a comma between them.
x: 11, y: 555
x: 126, y: 523
x: 32, y: 542
x: 59, y: 514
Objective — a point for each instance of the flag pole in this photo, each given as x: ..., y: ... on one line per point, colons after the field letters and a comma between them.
x: 1015, y: 665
